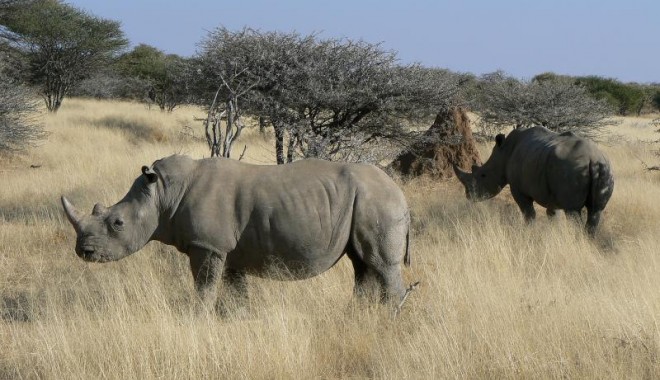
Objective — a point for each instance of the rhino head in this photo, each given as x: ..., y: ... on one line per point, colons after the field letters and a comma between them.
x: 112, y: 233
x: 488, y: 180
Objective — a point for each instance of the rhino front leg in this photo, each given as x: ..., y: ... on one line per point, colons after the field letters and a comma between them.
x: 206, y: 267
x: 236, y: 291
x: 526, y: 205
x: 575, y: 216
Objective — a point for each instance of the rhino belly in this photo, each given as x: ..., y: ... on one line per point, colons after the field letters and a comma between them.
x: 568, y: 190
x: 298, y: 251
x: 297, y: 233
x: 291, y: 264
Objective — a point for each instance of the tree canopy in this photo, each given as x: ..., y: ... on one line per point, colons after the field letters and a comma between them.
x: 335, y: 98
x: 165, y: 76
x: 61, y: 44
x: 556, y: 103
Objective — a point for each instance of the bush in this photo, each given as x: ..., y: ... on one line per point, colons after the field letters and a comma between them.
x: 656, y: 100
x: 625, y: 98
x: 18, y: 106
x: 110, y: 85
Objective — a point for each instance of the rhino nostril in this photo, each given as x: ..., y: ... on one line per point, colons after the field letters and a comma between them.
x: 88, y: 251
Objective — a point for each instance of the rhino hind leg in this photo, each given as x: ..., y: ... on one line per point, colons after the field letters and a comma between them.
x: 392, y: 288
x: 377, y: 260
x: 366, y: 280
x: 593, y: 218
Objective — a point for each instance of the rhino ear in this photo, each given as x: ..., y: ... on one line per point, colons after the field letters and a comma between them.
x: 499, y: 139
x: 150, y: 174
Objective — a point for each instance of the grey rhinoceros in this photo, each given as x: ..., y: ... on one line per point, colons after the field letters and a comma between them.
x: 233, y: 219
x: 557, y: 171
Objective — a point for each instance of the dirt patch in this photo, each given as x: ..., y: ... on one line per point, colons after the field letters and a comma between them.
x: 449, y: 141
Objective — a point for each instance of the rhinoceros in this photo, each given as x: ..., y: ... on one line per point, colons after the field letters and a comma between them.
x: 557, y: 171
x: 232, y: 219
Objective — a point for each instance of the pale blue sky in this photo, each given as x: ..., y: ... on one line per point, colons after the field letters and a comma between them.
x: 611, y: 38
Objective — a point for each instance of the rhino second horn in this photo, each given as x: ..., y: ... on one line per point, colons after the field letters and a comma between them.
x: 99, y: 209
x: 71, y: 213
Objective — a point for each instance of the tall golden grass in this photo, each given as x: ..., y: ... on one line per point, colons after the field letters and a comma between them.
x: 498, y: 298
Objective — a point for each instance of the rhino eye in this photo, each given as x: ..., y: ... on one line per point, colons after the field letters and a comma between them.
x: 118, y: 224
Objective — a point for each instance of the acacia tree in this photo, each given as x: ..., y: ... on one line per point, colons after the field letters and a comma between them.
x: 165, y: 77
x: 62, y: 44
x: 556, y: 103
x: 226, y: 78
x: 335, y: 98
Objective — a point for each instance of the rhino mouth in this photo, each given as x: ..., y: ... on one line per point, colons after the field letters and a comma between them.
x: 93, y: 254
x: 475, y: 194
x: 479, y: 197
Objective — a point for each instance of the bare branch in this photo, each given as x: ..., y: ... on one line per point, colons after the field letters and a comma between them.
x: 242, y: 153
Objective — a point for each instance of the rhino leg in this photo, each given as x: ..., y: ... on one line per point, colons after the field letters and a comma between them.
x: 375, y: 258
x: 526, y: 205
x: 365, y: 279
x: 593, y: 218
x: 206, y: 268
x: 236, y: 282
x: 574, y: 215
x: 392, y: 289
x: 236, y: 290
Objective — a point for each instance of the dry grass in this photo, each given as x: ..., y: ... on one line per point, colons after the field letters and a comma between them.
x: 498, y: 298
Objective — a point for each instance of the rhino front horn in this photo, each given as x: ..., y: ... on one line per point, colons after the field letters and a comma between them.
x: 462, y: 176
x: 71, y: 213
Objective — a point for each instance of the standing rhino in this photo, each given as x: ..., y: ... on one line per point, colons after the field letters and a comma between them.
x: 557, y: 171
x: 233, y: 218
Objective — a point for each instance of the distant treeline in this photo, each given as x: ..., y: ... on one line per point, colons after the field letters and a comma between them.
x: 148, y: 74
x: 625, y: 98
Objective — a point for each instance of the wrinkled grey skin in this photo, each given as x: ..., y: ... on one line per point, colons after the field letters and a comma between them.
x: 233, y: 219
x: 557, y: 171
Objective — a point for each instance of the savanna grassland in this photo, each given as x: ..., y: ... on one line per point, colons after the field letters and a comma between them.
x: 498, y: 298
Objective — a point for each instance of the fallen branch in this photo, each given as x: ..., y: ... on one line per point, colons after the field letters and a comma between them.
x: 410, y: 289
x: 649, y: 168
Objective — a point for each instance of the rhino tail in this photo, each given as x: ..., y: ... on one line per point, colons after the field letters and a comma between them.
x: 602, y: 185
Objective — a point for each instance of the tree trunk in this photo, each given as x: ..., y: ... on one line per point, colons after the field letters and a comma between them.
x: 279, y: 144
x: 290, y: 148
